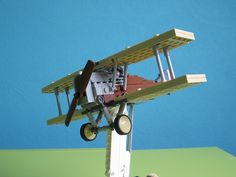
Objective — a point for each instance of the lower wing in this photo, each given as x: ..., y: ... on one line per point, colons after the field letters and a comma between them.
x: 143, y: 95
x: 61, y: 119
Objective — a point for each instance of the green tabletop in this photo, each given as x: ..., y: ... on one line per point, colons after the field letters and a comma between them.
x: 191, y: 162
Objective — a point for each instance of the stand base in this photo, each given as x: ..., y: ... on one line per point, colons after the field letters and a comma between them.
x: 191, y: 162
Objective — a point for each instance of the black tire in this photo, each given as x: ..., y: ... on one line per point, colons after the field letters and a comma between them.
x: 122, y: 124
x: 86, y: 133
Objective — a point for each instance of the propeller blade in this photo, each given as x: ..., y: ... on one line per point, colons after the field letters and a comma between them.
x: 80, y: 84
x: 85, y: 77
x: 71, y: 111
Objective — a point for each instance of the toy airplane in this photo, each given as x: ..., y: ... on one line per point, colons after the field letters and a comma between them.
x: 105, y: 84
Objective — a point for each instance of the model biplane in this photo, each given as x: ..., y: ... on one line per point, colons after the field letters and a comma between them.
x: 100, y: 86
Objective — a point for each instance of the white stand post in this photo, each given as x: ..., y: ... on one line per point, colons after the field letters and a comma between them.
x: 117, y: 155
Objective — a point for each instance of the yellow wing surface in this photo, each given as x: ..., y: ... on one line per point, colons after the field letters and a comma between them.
x: 171, y: 39
x: 61, y: 119
x: 146, y: 94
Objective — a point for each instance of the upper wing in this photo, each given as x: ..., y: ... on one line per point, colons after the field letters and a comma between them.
x: 164, y: 88
x: 173, y: 39
x: 61, y: 84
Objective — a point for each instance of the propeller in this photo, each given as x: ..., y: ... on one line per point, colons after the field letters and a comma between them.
x: 80, y: 84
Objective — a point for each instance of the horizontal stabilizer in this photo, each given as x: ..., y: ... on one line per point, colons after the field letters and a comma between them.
x: 164, y: 88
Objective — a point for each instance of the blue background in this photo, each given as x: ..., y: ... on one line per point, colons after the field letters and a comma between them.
x: 41, y: 41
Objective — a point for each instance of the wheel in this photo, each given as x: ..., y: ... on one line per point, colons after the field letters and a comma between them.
x: 122, y: 124
x: 86, y: 133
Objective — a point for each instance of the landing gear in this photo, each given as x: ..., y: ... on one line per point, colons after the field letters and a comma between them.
x: 122, y: 124
x: 87, y: 133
